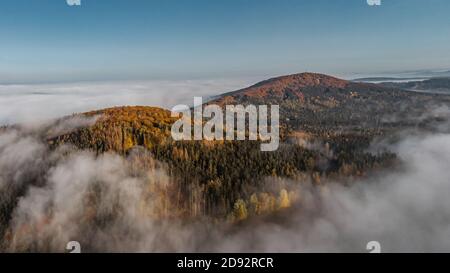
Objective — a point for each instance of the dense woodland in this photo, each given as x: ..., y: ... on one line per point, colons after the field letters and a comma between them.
x: 225, y: 172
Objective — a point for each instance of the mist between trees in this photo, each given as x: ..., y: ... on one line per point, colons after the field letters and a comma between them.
x: 110, y: 202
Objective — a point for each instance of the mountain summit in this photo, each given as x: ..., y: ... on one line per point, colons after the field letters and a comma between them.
x: 312, y: 102
x: 297, y: 81
x: 290, y: 86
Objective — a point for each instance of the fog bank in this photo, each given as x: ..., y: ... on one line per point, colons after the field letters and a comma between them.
x: 109, y: 204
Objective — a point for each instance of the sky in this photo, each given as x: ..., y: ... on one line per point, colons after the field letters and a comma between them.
x: 49, y: 41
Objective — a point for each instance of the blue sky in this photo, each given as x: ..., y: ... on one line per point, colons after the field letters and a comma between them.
x: 49, y: 41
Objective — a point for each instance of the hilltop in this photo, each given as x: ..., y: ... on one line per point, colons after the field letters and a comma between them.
x: 119, y: 129
x: 317, y: 103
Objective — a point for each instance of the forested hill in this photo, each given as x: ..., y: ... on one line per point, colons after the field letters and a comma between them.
x: 118, y: 129
x: 320, y: 103
x: 328, y: 125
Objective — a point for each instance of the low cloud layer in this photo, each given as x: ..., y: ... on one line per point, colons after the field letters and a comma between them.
x: 110, y: 203
x: 31, y: 103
